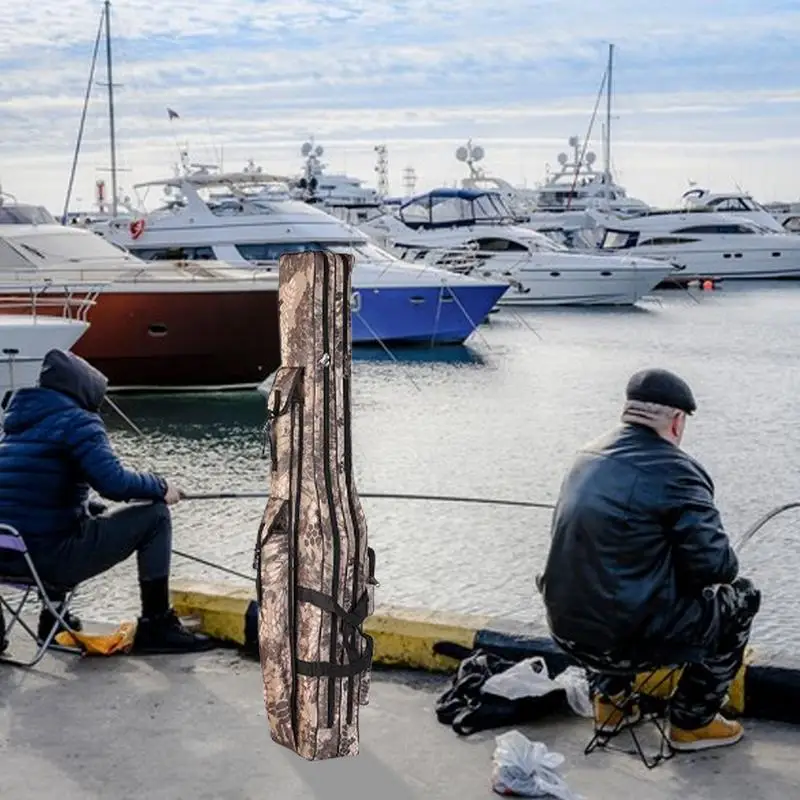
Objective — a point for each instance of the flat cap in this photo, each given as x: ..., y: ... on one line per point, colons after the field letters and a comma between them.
x: 663, y: 387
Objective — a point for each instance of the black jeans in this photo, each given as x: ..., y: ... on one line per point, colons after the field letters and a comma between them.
x: 705, y: 679
x: 106, y: 540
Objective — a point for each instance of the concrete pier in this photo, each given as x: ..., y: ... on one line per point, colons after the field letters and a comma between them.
x: 194, y: 728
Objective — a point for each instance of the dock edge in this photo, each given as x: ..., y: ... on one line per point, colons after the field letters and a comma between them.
x: 433, y: 641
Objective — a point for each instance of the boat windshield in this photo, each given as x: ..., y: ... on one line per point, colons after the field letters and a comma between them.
x: 272, y: 251
x: 20, y: 214
x: 618, y: 240
x: 69, y: 244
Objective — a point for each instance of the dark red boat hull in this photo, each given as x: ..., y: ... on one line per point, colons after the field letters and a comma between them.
x: 151, y: 340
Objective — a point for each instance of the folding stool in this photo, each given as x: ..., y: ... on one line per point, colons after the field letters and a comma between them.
x: 603, y: 736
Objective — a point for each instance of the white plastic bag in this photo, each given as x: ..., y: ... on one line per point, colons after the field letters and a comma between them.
x: 529, y: 678
x: 526, y: 678
x: 527, y: 769
x: 573, y: 681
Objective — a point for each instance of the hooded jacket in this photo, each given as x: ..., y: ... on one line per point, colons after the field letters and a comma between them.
x: 636, y: 537
x: 55, y: 448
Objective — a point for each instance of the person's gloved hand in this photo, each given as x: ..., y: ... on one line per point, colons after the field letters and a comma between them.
x: 173, y: 495
x: 747, y: 595
x: 96, y: 508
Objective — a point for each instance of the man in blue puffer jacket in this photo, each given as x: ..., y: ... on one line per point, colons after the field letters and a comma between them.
x: 53, y: 450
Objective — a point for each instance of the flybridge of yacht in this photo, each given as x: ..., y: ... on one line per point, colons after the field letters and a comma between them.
x: 240, y: 195
x: 446, y: 208
x: 206, y: 179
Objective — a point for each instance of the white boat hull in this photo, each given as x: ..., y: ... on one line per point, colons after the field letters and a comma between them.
x: 25, y: 341
x: 563, y: 279
x: 618, y: 290
x: 734, y: 263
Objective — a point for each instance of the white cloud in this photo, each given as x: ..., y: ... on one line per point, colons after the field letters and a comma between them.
x: 698, y: 92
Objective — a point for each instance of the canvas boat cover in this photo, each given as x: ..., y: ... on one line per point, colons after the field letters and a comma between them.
x: 315, y: 570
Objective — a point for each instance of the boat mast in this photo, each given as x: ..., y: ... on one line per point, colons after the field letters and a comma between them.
x: 111, y: 125
x: 83, y: 122
x: 607, y: 156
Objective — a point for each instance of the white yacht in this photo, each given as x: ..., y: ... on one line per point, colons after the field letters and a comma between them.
x: 705, y: 244
x: 473, y: 231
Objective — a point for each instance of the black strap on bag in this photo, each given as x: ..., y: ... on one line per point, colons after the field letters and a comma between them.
x: 351, y: 622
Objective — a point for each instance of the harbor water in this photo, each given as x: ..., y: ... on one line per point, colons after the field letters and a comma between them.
x: 502, y: 417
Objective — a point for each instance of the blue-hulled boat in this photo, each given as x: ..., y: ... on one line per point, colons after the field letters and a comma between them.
x: 246, y: 223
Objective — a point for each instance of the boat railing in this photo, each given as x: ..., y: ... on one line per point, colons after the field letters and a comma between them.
x: 462, y: 258
x: 74, y: 299
x: 137, y: 271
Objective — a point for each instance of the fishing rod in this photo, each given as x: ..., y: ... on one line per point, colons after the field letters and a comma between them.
x: 382, y: 496
x: 759, y: 524
x: 743, y: 540
x: 262, y: 494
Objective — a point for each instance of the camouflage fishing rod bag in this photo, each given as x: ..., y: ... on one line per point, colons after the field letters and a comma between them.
x: 315, y: 571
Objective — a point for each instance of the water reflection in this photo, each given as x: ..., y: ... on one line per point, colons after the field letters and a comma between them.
x: 441, y: 354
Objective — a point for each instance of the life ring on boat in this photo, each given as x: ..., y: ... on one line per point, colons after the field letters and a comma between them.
x: 136, y: 228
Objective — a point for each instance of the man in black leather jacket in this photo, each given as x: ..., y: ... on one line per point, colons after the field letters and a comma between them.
x: 640, y: 571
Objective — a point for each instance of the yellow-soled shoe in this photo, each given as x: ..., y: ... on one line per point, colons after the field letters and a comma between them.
x: 609, y: 714
x: 720, y: 732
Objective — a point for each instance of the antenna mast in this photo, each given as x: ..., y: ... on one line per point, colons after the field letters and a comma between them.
x: 409, y: 180
x: 382, y: 168
x: 111, y: 124
x: 607, y: 155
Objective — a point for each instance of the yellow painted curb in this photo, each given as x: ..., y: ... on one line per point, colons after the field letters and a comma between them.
x: 404, y: 637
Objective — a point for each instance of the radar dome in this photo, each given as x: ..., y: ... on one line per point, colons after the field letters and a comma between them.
x: 573, y: 141
x: 562, y: 158
x: 590, y: 157
x: 461, y: 153
x: 306, y: 148
x: 478, y: 153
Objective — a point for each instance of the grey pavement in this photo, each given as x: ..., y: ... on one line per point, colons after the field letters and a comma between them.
x: 194, y: 727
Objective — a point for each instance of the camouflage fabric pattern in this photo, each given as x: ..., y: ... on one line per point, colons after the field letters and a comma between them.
x: 703, y: 684
x: 313, y: 502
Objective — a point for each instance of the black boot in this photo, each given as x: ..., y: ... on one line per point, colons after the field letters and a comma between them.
x: 166, y: 634
x: 47, y: 620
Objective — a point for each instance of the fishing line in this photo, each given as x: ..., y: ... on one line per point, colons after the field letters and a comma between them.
x: 199, y: 560
x: 493, y: 501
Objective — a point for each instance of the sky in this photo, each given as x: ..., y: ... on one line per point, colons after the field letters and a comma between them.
x: 699, y: 93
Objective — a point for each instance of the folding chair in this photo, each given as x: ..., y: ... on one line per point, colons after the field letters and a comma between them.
x: 604, y: 736
x: 12, y: 543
